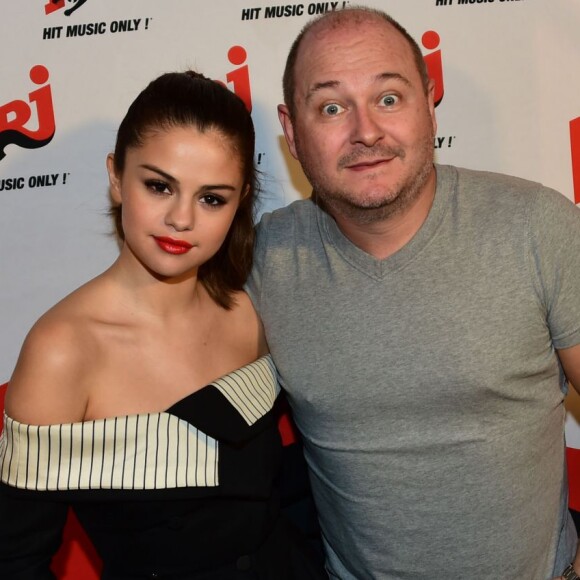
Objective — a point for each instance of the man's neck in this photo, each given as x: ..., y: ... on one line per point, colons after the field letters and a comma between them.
x: 383, y: 238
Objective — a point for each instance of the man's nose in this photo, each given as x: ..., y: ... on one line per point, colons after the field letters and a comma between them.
x: 367, y: 128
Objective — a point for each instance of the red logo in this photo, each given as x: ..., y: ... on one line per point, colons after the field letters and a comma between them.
x: 15, y: 115
x: 575, y: 149
x: 434, y: 63
x: 240, y: 77
x: 54, y: 5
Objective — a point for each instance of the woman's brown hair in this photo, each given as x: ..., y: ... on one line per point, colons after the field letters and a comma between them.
x: 190, y: 99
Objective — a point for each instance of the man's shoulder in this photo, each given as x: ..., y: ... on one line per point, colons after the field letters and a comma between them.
x: 492, y: 180
x: 500, y: 189
x: 287, y: 220
x: 300, y: 209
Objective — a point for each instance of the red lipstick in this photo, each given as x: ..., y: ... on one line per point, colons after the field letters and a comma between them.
x: 172, y: 246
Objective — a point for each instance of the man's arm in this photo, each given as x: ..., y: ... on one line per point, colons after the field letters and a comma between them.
x: 570, y: 360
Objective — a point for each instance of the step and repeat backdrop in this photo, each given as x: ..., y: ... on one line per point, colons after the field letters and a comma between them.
x: 507, y: 82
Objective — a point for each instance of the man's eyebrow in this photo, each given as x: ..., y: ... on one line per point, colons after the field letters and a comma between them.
x: 333, y: 84
x: 319, y: 86
x: 386, y: 76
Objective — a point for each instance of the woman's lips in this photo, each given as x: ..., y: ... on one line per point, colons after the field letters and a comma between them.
x: 172, y: 246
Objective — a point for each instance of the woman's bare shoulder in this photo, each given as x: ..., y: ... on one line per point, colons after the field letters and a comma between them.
x: 247, y: 323
x: 47, y: 384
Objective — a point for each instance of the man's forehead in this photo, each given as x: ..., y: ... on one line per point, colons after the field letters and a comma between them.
x: 368, y: 51
x: 326, y: 30
x: 379, y: 81
x: 343, y: 35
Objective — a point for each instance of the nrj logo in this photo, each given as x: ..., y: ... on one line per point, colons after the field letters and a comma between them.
x: 54, y: 5
x: 239, y: 78
x: 15, y: 115
x: 575, y: 149
x: 431, y: 40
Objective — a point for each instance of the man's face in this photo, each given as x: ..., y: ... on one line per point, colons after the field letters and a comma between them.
x: 364, y: 127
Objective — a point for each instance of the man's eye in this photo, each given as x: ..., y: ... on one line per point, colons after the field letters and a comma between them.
x: 389, y: 100
x: 332, y: 109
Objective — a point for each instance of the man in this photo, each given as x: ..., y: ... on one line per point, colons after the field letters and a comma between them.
x: 422, y: 318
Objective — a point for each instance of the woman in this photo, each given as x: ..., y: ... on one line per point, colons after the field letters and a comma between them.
x: 145, y: 399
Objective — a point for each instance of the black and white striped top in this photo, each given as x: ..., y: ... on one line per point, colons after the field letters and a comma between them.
x: 137, y: 452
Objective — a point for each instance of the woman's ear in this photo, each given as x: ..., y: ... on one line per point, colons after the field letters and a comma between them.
x: 245, y: 191
x: 114, y: 180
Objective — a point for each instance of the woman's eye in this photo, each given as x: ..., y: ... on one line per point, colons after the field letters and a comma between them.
x: 158, y: 187
x: 213, y: 200
x: 332, y: 109
x: 389, y: 100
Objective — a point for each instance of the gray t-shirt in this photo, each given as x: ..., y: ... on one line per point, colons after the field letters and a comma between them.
x: 426, y: 385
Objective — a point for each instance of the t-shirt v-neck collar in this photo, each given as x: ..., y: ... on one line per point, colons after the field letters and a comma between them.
x: 379, y: 268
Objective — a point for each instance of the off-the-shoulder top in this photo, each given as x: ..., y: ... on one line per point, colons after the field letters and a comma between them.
x: 187, y: 489
x: 177, y: 448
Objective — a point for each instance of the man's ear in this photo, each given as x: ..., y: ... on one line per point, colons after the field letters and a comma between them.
x: 431, y: 104
x: 114, y: 180
x: 288, y: 128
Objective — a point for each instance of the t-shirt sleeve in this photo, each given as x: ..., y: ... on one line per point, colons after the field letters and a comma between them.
x: 554, y: 231
x: 254, y: 283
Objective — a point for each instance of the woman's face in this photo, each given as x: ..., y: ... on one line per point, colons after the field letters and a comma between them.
x: 179, y: 193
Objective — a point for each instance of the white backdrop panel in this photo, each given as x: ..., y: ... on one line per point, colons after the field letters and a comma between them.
x: 510, y: 92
